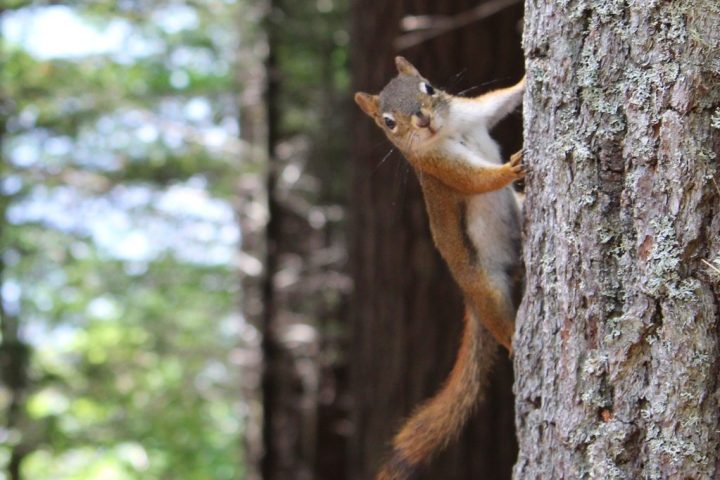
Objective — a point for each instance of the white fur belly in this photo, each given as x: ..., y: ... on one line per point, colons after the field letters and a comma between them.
x: 483, y: 145
x: 493, y: 227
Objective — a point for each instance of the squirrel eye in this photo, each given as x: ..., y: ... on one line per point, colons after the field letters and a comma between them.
x: 427, y: 88
x: 389, y: 121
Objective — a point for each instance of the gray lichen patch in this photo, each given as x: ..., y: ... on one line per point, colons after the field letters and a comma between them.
x: 608, y: 455
x: 715, y: 119
x: 664, y: 259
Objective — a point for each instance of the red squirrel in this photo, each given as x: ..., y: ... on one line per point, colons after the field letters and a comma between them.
x: 475, y: 224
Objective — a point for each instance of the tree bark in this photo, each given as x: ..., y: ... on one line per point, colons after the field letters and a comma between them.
x: 407, y: 312
x: 616, y: 352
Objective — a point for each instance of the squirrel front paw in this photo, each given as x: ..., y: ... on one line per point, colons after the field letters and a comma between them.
x: 515, y: 165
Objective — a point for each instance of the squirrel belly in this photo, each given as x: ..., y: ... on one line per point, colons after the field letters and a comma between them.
x: 478, y: 236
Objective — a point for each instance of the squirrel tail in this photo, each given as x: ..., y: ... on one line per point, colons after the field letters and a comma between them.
x: 438, y: 421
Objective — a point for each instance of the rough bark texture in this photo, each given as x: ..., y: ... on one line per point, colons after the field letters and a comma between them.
x: 616, y: 352
x: 407, y: 312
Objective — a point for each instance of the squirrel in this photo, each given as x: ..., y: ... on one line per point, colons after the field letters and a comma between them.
x: 475, y: 224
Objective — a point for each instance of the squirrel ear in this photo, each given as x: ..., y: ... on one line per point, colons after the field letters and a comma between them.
x: 368, y: 103
x: 406, y: 67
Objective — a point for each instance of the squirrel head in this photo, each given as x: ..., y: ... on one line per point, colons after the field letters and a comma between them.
x: 409, y: 109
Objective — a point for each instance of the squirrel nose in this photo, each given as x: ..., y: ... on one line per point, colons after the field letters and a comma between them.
x: 423, y: 121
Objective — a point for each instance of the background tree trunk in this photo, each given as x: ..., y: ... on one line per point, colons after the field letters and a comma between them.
x: 616, y: 352
x: 305, y: 287
x: 250, y: 197
x: 407, y: 311
x: 281, y: 391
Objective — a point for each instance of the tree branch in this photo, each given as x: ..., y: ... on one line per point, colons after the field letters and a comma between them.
x: 432, y: 26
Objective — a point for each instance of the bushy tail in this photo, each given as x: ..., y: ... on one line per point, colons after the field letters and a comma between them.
x: 440, y: 419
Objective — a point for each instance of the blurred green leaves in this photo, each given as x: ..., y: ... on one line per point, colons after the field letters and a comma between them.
x: 118, y: 241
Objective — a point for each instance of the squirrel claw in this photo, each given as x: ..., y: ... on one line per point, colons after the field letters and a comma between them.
x: 516, y: 165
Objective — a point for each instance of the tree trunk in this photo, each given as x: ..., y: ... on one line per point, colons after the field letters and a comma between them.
x: 249, y: 199
x: 407, y: 310
x: 616, y: 351
x: 279, y: 434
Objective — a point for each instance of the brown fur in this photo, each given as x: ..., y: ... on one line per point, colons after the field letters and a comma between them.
x: 468, y: 179
x: 437, y: 422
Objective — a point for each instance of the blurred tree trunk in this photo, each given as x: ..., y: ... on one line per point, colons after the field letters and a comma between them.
x: 407, y: 311
x: 304, y: 287
x: 279, y: 451
x: 249, y: 201
x: 617, y: 354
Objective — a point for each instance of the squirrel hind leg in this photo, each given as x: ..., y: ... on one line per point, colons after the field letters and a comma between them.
x: 495, y: 300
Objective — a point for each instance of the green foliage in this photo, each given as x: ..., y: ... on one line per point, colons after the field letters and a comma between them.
x: 118, y: 240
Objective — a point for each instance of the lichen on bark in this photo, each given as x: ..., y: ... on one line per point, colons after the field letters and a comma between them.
x: 617, y: 359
